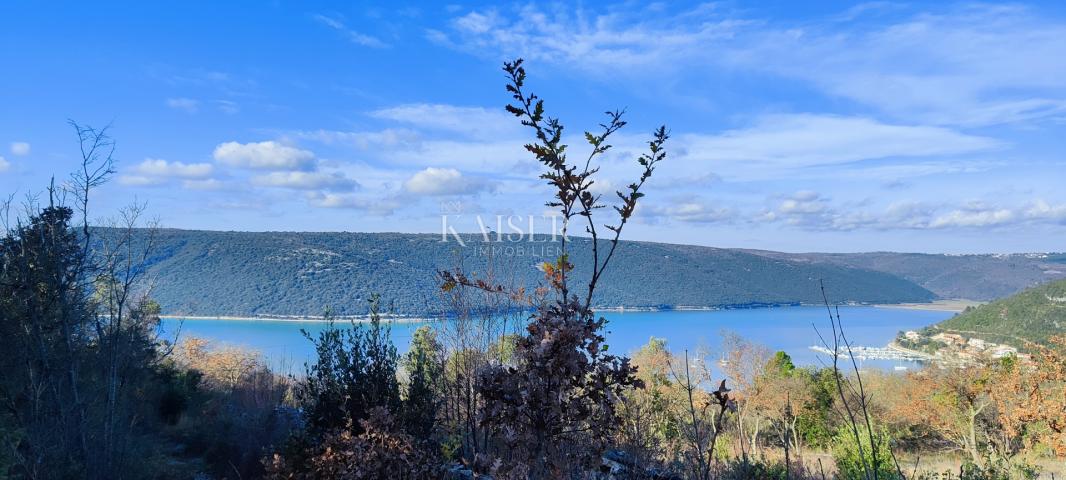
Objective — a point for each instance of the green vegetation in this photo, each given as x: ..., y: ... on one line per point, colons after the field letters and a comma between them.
x: 287, y: 273
x: 849, y: 453
x: 1033, y: 315
x: 87, y: 389
x: 972, y: 277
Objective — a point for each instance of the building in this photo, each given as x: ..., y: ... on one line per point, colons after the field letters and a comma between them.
x: 949, y: 339
x: 1003, y: 351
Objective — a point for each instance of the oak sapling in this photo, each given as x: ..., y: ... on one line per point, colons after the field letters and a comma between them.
x: 554, y: 406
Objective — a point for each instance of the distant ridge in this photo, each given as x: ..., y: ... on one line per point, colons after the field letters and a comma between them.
x: 1033, y: 315
x: 973, y: 277
x: 205, y: 273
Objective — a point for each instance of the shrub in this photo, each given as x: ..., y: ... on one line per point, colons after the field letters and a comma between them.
x: 558, y: 404
x: 9, y: 440
x: 355, y: 371
x: 849, y: 460
x: 554, y: 405
x: 381, y: 450
x: 991, y: 470
x: 746, y: 470
x: 424, y: 366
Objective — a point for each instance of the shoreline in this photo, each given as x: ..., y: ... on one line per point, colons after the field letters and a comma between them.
x: 956, y: 305
x: 294, y: 319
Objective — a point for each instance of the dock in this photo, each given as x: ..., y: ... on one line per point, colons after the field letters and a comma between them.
x: 875, y: 353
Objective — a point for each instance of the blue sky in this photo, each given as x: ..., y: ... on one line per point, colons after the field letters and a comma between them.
x: 828, y: 127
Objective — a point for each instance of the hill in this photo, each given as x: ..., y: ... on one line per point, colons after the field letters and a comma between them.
x: 1032, y: 315
x: 291, y: 273
x: 972, y: 277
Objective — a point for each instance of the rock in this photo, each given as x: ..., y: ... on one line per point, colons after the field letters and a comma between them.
x: 619, y: 465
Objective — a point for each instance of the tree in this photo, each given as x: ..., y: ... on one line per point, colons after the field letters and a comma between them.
x: 351, y: 397
x: 785, y: 391
x: 355, y: 371
x: 46, y: 323
x: 651, y: 420
x: 951, y: 403
x: 703, y: 414
x: 556, y: 405
x: 781, y: 365
x: 745, y: 364
x: 1031, y: 401
x: 424, y: 363
x: 77, y: 328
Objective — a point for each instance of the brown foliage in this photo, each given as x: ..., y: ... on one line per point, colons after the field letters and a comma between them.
x: 554, y: 404
x: 381, y: 451
x: 1033, y: 399
x: 951, y: 403
x: 556, y: 408
x: 223, y: 367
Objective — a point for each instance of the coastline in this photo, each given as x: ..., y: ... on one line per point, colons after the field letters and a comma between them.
x: 939, y: 305
x: 295, y: 319
x: 950, y: 305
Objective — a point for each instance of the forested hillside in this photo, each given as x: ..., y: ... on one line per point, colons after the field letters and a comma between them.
x: 272, y: 273
x: 973, y: 277
x: 1033, y: 315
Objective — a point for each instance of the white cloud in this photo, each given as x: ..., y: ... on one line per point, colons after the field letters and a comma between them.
x: 443, y: 136
x: 140, y: 180
x: 20, y: 148
x: 972, y: 65
x: 377, y: 205
x: 154, y: 171
x: 1042, y: 210
x: 780, y: 142
x: 499, y: 156
x: 228, y: 107
x: 443, y: 181
x: 187, y: 105
x: 204, y: 184
x: 475, y: 122
x: 812, y: 211
x: 352, y: 35
x: 895, y: 173
x: 974, y: 216
x: 335, y: 181
x: 155, y: 167
x: 586, y: 40
x: 267, y: 155
x: 4, y: 165
x: 389, y: 138
x: 803, y: 202
x: 690, y: 210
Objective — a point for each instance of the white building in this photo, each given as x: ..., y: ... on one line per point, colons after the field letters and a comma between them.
x: 1003, y: 351
x: 949, y: 339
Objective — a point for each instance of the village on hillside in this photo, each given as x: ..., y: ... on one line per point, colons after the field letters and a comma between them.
x: 955, y: 349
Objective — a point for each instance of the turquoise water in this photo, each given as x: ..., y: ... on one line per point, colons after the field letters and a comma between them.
x: 786, y: 328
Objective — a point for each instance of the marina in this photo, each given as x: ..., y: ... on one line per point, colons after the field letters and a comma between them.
x: 874, y: 353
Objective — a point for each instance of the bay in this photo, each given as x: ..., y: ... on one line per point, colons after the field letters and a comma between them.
x: 790, y: 329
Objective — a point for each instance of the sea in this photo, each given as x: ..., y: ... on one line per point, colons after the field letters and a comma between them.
x: 792, y: 329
